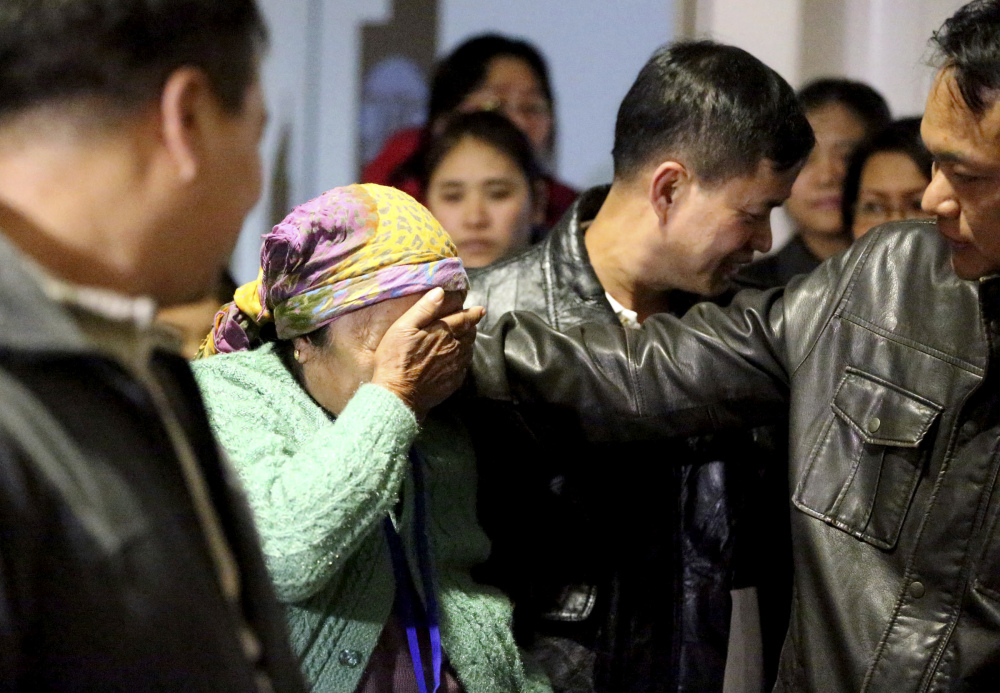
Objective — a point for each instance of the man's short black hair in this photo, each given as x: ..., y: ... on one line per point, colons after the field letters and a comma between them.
x: 716, y: 106
x: 122, y: 51
x: 968, y: 43
x: 857, y: 97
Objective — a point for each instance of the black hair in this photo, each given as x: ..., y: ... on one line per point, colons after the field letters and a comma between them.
x: 226, y: 287
x: 901, y: 136
x: 490, y: 128
x: 716, y: 105
x: 459, y: 74
x: 464, y: 70
x: 860, y: 99
x: 122, y: 51
x: 968, y: 43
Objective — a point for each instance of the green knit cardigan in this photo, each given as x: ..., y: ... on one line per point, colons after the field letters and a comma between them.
x: 319, y: 490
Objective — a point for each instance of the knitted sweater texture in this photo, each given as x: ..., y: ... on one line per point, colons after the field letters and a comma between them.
x: 320, y: 489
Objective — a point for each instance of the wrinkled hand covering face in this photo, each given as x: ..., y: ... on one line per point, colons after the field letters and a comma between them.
x: 349, y: 248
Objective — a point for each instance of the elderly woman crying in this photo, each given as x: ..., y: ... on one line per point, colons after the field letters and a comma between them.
x: 364, y: 492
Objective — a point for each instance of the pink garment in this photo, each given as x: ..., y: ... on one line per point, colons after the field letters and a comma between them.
x: 390, y: 669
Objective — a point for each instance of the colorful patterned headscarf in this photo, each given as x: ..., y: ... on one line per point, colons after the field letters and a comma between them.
x: 347, y: 249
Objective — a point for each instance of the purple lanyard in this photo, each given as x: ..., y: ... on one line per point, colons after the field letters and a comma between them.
x: 407, y: 593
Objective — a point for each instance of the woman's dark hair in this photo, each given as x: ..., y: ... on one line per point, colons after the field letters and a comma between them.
x: 490, y: 128
x: 857, y: 97
x: 459, y: 74
x: 464, y: 70
x: 902, y: 137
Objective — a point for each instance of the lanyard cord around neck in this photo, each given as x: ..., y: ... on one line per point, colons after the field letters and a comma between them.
x: 408, y: 596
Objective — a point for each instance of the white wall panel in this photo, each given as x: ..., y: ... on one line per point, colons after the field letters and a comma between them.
x: 769, y: 29
x: 310, y: 77
x: 887, y: 46
x: 594, y: 50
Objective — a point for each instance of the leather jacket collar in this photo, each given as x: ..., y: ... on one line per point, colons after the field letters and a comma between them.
x: 567, y: 250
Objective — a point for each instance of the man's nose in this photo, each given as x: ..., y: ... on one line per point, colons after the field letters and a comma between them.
x: 474, y: 212
x: 832, y: 168
x: 939, y: 197
x: 762, y: 238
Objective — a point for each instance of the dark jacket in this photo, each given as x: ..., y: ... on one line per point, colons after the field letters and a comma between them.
x: 639, y: 536
x: 778, y: 269
x: 106, y: 582
x: 888, y: 364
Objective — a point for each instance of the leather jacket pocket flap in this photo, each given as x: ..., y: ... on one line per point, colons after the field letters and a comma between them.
x: 867, y: 461
x: 882, y: 413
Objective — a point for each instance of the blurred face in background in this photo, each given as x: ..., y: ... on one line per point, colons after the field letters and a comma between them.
x: 814, y: 205
x: 484, y: 201
x: 512, y: 88
x: 890, y: 189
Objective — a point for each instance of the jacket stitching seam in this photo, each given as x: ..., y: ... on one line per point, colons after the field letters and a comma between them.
x: 935, y: 659
x: 971, y: 559
x: 992, y: 530
x: 917, y: 346
x: 548, y: 279
x: 640, y: 399
x: 908, y: 572
x: 813, y: 454
x: 841, y: 302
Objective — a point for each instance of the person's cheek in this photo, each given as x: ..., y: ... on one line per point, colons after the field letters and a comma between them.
x: 448, y: 216
x: 804, y: 181
x: 510, y: 214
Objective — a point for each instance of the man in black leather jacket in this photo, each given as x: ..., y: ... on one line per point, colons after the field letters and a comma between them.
x: 887, y: 358
x: 624, y: 579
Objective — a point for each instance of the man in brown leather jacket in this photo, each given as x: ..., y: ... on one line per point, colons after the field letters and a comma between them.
x: 887, y: 359
x: 607, y: 607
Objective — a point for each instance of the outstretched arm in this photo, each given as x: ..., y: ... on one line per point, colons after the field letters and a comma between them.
x: 715, y: 368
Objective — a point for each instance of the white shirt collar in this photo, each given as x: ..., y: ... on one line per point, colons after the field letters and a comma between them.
x: 111, y: 305
x: 628, y: 318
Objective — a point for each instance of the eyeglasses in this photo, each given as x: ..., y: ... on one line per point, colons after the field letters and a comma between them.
x: 885, y: 209
x: 527, y: 107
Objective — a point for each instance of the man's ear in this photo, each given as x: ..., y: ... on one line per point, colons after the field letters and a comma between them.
x: 539, y: 202
x: 183, y: 102
x: 664, y: 186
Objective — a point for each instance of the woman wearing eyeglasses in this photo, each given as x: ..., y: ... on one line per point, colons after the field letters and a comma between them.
x: 886, y: 178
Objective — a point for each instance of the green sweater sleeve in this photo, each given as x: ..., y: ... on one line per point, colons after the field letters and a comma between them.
x: 317, y: 487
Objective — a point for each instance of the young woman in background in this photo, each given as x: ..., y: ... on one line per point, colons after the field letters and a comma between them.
x: 886, y: 178
x: 483, y: 184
